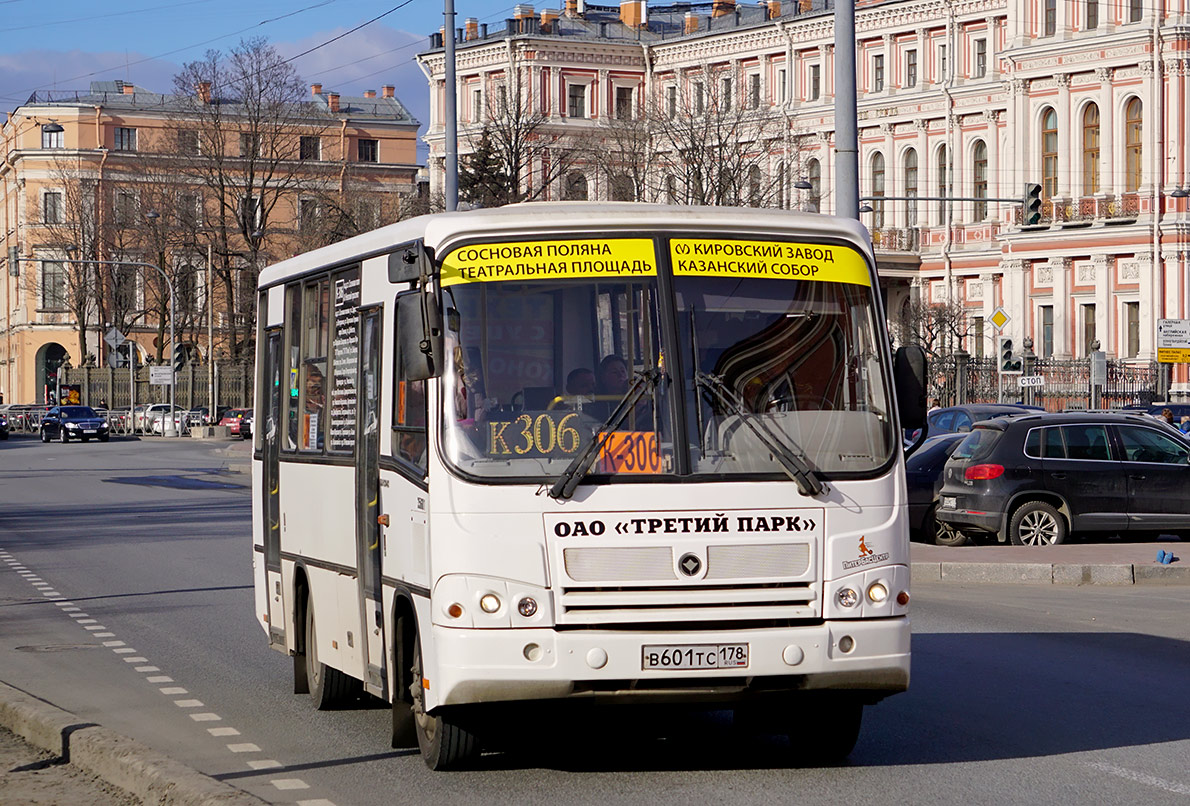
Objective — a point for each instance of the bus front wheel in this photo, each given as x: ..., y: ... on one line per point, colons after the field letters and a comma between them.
x: 328, y: 686
x: 826, y: 729
x: 444, y: 744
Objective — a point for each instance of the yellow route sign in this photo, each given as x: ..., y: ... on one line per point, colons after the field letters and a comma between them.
x: 778, y: 260
x: 549, y: 260
x: 1173, y: 355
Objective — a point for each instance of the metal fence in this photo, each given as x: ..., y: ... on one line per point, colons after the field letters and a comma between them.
x: 192, y: 386
x: 958, y: 378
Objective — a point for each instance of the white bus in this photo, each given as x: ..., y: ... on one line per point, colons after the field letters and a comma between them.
x: 599, y: 452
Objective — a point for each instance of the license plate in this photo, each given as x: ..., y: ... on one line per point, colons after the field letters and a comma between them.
x: 694, y: 656
x: 88, y: 430
x: 949, y: 502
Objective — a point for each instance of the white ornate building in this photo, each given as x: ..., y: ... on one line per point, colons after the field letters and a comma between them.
x: 959, y: 98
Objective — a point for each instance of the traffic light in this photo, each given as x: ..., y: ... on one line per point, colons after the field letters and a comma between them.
x: 179, y: 357
x: 1032, y: 213
x: 1009, y: 363
x: 14, y: 261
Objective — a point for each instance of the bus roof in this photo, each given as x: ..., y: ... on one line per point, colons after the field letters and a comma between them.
x: 440, y: 231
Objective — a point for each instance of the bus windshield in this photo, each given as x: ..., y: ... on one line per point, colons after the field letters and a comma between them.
x: 780, y: 367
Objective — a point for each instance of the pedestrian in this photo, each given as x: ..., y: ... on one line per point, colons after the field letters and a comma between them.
x: 935, y: 404
x: 1167, y: 415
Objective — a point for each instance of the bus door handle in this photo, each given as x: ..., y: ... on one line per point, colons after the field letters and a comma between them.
x: 382, y: 520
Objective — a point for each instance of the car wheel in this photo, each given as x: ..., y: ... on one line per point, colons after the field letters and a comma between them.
x: 45, y: 435
x: 105, y: 438
x: 62, y: 436
x: 1037, y: 524
x: 943, y: 533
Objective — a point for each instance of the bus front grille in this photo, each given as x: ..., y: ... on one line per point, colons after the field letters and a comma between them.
x: 670, y: 603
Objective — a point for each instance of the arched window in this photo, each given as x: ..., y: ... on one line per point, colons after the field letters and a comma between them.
x: 814, y: 194
x: 877, y: 190
x: 1049, y: 153
x: 754, y: 186
x: 911, y: 185
x: 622, y: 188
x: 1132, y: 146
x: 979, y: 175
x: 576, y: 187
x: 943, y: 173
x: 1090, y: 150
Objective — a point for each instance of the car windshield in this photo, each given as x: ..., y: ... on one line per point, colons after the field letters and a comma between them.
x: 78, y: 411
x: 781, y: 364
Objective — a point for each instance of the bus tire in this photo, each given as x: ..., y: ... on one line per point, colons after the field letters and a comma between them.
x: 826, y: 730
x: 444, y: 744
x: 404, y: 725
x: 329, y: 687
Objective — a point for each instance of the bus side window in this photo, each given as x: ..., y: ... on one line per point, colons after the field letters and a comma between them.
x: 315, y: 331
x: 409, y: 416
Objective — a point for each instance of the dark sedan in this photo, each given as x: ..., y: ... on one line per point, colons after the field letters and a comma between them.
x: 960, y: 419
x: 65, y: 423
x: 923, y: 475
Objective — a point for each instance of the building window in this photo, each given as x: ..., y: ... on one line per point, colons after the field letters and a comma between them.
x: 367, y: 214
x: 943, y: 183
x: 725, y: 93
x: 125, y: 139
x: 781, y: 84
x: 1132, y: 329
x: 188, y: 142
x: 979, y: 174
x: 576, y: 106
x: 189, y: 210
x: 623, y: 103
x: 754, y: 91
x: 671, y: 189
x: 1051, y: 17
x: 250, y: 146
x: 1049, y: 153
x: 1132, y: 145
x: 124, y: 208
x: 622, y: 188
x: 1090, y: 150
x: 942, y: 71
x: 53, y: 286
x: 1135, y: 9
x: 311, y: 148
x: 186, y: 288
x: 981, y: 58
x: 671, y: 101
x: 576, y: 187
x: 911, y: 186
x: 699, y: 101
x: 877, y: 190
x: 815, y: 82
x: 754, y: 181
x: 250, y: 213
x: 977, y: 336
x: 814, y: 195
x: 501, y: 100
x: 476, y: 106
x: 368, y: 150
x: 52, y: 139
x: 51, y: 207
x: 1046, y: 315
x: 1091, y: 21
x: 911, y: 68
x: 307, y: 215
x: 1088, y: 329
x: 878, y: 73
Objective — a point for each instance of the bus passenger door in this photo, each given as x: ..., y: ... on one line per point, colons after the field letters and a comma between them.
x: 270, y: 489
x: 367, y: 486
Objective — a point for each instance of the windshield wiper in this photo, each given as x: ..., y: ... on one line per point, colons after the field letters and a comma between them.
x: 578, y: 467
x: 794, y: 465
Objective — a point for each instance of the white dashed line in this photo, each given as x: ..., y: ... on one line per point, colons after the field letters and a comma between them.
x: 245, y: 747
x: 112, y: 643
x: 206, y: 717
x: 264, y: 764
x: 289, y: 783
x: 173, y: 690
x: 161, y: 678
x: 319, y: 802
x: 1141, y: 778
x: 223, y: 731
x: 94, y: 627
x: 107, y: 635
x: 153, y: 669
x: 188, y: 703
x: 78, y: 619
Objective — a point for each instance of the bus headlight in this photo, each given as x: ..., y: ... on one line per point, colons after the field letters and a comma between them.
x: 848, y: 597
x: 489, y: 603
x: 877, y: 592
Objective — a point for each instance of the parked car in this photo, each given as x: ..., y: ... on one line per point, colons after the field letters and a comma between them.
x: 1035, y: 479
x: 3, y: 425
x: 201, y: 415
x: 923, y: 474
x: 960, y: 419
x: 154, y: 417
x: 239, y: 421
x: 65, y: 423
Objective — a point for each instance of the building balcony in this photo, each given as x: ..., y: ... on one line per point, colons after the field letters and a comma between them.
x: 1087, y: 210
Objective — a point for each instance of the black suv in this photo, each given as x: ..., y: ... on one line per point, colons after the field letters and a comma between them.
x: 1034, y: 479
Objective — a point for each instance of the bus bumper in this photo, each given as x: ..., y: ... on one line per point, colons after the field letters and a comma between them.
x: 483, y: 665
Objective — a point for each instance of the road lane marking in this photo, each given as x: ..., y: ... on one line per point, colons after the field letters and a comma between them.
x: 1140, y: 777
x: 161, y: 678
x: 223, y: 731
x: 112, y: 643
x: 106, y: 635
x: 188, y: 703
x: 174, y: 690
x: 206, y: 717
x: 264, y: 764
x: 153, y: 669
x: 79, y: 620
x: 289, y: 783
x: 319, y: 802
x: 93, y: 627
x: 243, y: 747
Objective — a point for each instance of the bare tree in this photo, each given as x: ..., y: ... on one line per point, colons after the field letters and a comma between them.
x: 714, y: 143
x: 239, y: 120
x: 937, y: 327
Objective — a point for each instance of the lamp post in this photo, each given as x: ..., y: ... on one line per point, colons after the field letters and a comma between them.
x: 169, y: 427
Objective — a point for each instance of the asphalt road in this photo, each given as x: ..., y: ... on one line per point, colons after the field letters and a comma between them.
x: 1020, y: 694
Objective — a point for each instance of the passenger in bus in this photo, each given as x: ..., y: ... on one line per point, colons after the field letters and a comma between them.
x: 580, y: 381
x: 315, y: 403
x: 613, y: 376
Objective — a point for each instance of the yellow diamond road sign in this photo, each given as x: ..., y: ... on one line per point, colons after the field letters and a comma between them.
x: 999, y: 318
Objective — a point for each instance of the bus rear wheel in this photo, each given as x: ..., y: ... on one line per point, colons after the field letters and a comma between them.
x: 444, y: 744
x: 328, y: 686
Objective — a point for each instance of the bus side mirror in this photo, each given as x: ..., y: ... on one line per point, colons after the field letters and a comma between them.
x: 909, y: 380
x: 419, y: 336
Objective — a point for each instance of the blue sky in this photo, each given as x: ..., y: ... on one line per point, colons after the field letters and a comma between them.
x: 66, y: 44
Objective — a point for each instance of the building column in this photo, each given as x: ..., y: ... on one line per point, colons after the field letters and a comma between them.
x: 1151, y: 161
x: 1152, y: 295
x: 1060, y: 267
x: 1064, y: 138
x: 892, y: 181
x: 826, y: 170
x: 922, y: 146
x: 1018, y: 157
x: 1104, y: 316
x: 991, y: 118
x: 1015, y: 295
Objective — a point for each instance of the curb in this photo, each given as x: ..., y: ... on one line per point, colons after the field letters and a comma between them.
x: 1050, y: 573
x: 122, y: 762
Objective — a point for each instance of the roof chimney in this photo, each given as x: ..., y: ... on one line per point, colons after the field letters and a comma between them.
x: 522, y: 11
x: 691, y: 22
x: 574, y: 8
x: 129, y: 89
x: 387, y: 91
x: 774, y: 9
x: 548, y: 17
x: 471, y: 26
x: 721, y: 7
x: 633, y: 13
x: 203, y: 90
x: 315, y: 89
x: 332, y: 100
x: 369, y: 93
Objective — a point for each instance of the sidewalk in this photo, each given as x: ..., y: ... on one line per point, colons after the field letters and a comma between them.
x: 1106, y: 562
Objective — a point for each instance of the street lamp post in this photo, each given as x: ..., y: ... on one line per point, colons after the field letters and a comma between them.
x: 169, y: 427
